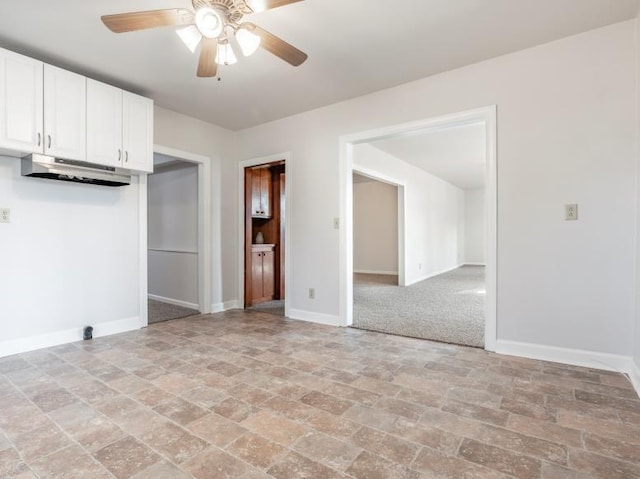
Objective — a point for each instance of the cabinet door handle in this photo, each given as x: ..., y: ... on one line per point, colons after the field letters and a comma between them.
x: 39, y: 138
x: 119, y: 154
x: 49, y: 136
x: 126, y: 156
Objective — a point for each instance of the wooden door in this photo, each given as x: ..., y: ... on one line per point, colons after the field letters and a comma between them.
x: 265, y: 192
x: 256, y: 275
x: 268, y: 275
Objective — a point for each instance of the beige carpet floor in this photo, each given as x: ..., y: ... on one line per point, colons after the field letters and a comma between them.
x: 448, y: 307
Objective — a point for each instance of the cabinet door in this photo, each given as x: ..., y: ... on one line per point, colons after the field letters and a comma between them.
x: 265, y: 192
x: 256, y: 275
x: 65, y: 114
x: 137, y: 132
x: 261, y: 193
x: 104, y: 124
x: 256, y: 193
x: 21, y: 112
x: 268, y: 276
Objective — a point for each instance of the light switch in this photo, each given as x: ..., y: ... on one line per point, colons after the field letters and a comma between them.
x: 5, y: 215
x: 336, y: 223
x: 571, y: 212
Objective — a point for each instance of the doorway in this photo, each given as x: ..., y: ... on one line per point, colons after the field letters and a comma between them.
x: 173, y: 239
x: 419, y: 267
x: 178, y: 235
x: 265, y: 242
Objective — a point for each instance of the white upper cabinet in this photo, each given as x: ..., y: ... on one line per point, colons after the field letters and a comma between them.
x: 21, y: 108
x: 65, y: 114
x: 119, y: 128
x: 104, y: 124
x: 45, y: 109
x: 137, y: 131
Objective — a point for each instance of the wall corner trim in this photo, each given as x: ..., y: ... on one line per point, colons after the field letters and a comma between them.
x: 313, y: 317
x: 55, y: 338
x: 226, y: 306
x: 175, y: 302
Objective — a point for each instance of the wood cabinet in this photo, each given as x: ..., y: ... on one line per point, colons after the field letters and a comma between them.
x: 21, y: 107
x: 262, y: 273
x: 261, y: 187
x: 65, y: 114
x: 119, y: 128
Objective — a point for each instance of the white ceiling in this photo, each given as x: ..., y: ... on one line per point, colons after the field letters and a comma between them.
x: 355, y: 47
x: 456, y: 155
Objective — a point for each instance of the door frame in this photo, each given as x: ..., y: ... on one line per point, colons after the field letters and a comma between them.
x: 488, y: 115
x: 204, y: 229
x: 286, y: 157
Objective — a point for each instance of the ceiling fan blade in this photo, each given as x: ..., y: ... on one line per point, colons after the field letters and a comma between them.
x: 129, y: 22
x: 262, y: 5
x: 207, y: 67
x: 278, y: 46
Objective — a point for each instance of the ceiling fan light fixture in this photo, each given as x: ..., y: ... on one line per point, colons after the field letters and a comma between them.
x: 209, y: 22
x: 225, y: 54
x: 190, y: 36
x: 249, y: 42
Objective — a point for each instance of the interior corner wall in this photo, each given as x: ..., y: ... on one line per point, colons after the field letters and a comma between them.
x: 636, y: 352
x: 70, y: 258
x: 375, y: 228
x: 475, y: 232
x: 434, y: 213
x: 173, y: 235
x: 567, y: 134
x: 184, y: 133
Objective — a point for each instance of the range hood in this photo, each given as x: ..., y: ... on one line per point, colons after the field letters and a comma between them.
x: 42, y: 166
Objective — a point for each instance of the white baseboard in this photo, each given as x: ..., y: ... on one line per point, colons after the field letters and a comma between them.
x: 312, y: 317
x: 474, y: 264
x: 576, y: 357
x: 431, y: 275
x: 39, y: 341
x: 175, y: 302
x: 366, y: 271
x: 226, y: 306
x: 634, y: 375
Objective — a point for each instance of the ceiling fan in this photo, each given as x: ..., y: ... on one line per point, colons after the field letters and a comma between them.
x: 211, y: 24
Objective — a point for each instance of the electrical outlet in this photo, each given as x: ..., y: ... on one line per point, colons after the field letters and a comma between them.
x: 5, y: 215
x: 336, y: 223
x: 571, y: 212
x: 419, y: 265
x: 312, y: 293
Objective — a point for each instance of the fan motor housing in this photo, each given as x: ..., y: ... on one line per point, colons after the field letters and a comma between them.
x: 234, y: 10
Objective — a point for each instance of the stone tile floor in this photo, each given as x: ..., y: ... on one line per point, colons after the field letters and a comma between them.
x: 248, y: 395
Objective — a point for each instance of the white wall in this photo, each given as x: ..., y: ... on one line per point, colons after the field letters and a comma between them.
x: 173, y: 235
x: 636, y: 362
x: 68, y: 259
x: 375, y: 227
x: 475, y: 226
x: 181, y: 132
x: 566, y: 118
x: 434, y: 214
